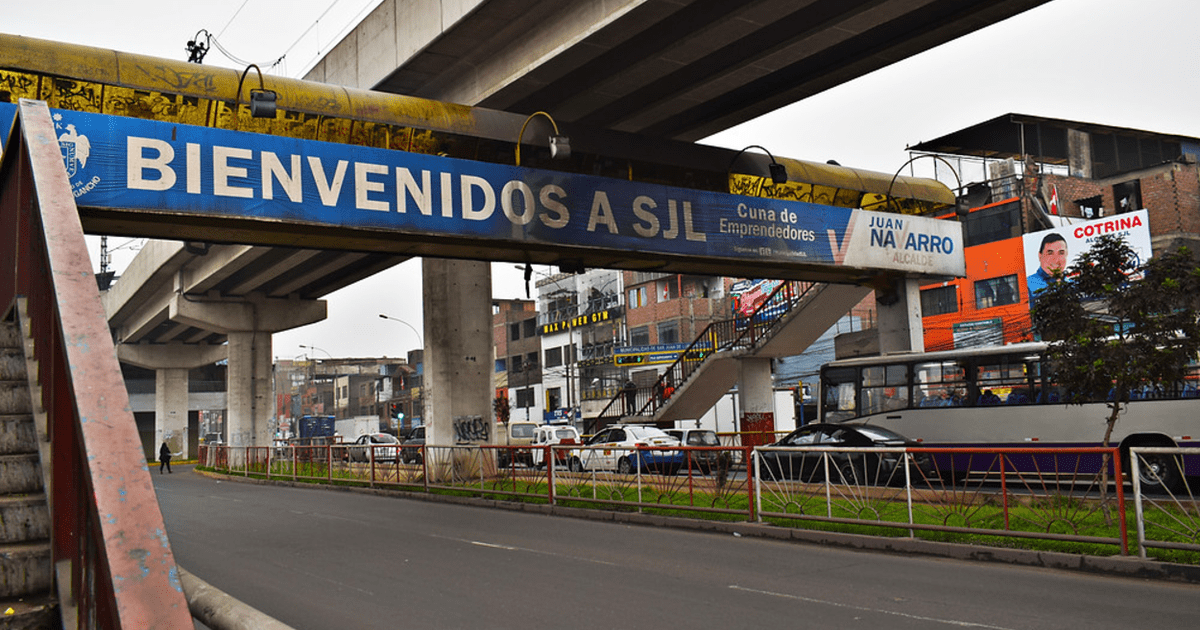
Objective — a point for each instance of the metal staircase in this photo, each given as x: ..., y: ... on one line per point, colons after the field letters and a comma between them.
x: 26, y: 587
x: 792, y: 317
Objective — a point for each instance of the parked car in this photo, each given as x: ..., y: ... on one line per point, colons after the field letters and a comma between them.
x: 616, y: 448
x: 703, y: 461
x: 412, y: 450
x: 868, y: 468
x: 360, y: 449
x: 553, y: 434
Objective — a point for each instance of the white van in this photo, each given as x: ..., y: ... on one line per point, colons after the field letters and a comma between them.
x: 515, y: 433
x: 553, y: 434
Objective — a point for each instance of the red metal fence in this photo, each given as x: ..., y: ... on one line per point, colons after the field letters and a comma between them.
x: 1052, y: 494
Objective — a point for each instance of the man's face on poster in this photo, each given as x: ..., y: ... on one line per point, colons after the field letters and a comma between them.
x: 1053, y: 257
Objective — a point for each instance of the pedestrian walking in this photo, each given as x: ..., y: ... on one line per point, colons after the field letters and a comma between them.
x: 164, y: 457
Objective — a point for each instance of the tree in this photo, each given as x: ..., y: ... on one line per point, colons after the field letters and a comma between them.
x: 1115, y: 327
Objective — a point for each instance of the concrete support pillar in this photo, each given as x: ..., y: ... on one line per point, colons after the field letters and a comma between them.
x: 171, y: 363
x: 248, y: 322
x: 899, y: 308
x: 171, y: 409
x: 248, y: 389
x: 757, y: 399
x: 457, y: 385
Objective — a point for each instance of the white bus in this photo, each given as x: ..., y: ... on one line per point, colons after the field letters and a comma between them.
x: 1003, y: 397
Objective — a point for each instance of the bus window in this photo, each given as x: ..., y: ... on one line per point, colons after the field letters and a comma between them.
x: 940, y: 384
x: 885, y: 388
x: 1003, y: 382
x: 838, y: 393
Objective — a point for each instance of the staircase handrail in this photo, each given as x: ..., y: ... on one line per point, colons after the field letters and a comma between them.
x: 699, y: 351
x: 107, y: 535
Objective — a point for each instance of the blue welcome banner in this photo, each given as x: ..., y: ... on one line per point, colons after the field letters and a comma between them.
x: 127, y: 163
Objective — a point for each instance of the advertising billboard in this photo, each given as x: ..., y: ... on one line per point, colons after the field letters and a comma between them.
x: 1055, y: 250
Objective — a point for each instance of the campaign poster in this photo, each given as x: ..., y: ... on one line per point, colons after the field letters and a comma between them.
x: 1048, y: 252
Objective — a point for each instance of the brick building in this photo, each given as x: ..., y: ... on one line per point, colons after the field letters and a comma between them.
x: 1043, y: 173
x: 517, y: 349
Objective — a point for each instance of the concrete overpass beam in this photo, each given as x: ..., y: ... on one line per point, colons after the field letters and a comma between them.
x: 253, y: 313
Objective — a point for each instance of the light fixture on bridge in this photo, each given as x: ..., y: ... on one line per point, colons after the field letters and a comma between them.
x: 262, y: 100
x: 560, y: 145
x: 778, y: 171
x: 196, y: 49
x: 961, y: 204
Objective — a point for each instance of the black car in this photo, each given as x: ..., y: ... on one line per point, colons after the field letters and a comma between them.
x: 866, y: 468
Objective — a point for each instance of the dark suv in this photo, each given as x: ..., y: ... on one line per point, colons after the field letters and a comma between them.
x: 412, y: 450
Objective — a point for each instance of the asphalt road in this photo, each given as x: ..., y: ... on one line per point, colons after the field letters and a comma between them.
x: 321, y: 559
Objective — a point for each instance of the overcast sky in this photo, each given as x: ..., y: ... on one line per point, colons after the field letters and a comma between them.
x: 1113, y: 62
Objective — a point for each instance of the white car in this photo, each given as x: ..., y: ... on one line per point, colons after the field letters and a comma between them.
x: 616, y: 448
x: 555, y: 434
x: 365, y: 447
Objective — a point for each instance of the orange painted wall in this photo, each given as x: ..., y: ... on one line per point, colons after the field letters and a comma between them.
x: 991, y: 260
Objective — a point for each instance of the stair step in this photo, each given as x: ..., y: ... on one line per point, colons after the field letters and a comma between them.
x: 12, y: 364
x: 29, y: 613
x: 24, y: 518
x: 10, y: 337
x: 20, y: 474
x: 25, y: 569
x: 18, y: 435
x: 14, y: 397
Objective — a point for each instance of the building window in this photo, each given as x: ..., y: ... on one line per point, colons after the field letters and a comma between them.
x: 939, y: 301
x: 639, y: 336
x: 1091, y: 207
x: 500, y: 365
x: 530, y: 326
x: 668, y: 289
x: 553, y: 357
x: 668, y: 332
x: 1128, y: 196
x: 514, y: 331
x: 996, y: 292
x: 553, y: 398
x: 531, y: 361
x: 993, y: 224
x: 514, y: 363
x: 525, y: 398
x: 637, y: 297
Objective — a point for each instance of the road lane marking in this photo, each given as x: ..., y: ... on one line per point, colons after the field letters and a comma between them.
x: 480, y: 543
x: 949, y: 622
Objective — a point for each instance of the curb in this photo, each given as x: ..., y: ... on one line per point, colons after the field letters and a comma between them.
x: 1123, y: 566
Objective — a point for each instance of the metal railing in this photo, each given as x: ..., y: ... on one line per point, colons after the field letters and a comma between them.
x: 1170, y: 519
x: 107, y: 533
x: 973, y: 494
x: 720, y: 336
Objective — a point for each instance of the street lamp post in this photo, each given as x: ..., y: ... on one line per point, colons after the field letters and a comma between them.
x: 413, y: 403
x: 420, y: 340
x: 317, y: 392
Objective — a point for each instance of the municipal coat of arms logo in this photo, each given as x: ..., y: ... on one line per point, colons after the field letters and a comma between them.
x: 76, y: 148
